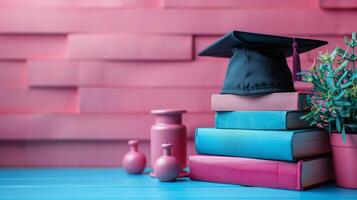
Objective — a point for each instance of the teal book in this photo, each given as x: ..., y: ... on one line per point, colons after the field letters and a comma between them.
x: 261, y: 120
x: 286, y: 145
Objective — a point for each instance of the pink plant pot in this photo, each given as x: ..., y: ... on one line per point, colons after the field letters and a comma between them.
x: 345, y: 159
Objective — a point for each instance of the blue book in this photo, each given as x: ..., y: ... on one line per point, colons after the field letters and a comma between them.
x: 261, y: 120
x: 262, y: 144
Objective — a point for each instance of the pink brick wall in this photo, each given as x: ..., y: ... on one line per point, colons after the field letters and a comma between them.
x: 78, y: 77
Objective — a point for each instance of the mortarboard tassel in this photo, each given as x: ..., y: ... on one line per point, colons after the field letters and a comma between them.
x: 296, y: 62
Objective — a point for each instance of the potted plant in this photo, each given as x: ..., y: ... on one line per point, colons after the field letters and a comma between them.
x: 334, y: 107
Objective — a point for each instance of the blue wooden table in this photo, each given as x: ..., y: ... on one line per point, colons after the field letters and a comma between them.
x: 114, y: 183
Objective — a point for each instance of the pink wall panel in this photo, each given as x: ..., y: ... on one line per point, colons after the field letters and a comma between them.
x: 338, y: 4
x: 81, y: 3
x: 260, y: 4
x: 125, y: 74
x: 53, y: 73
x: 88, y: 126
x: 130, y: 47
x: 22, y: 100
x: 64, y: 153
x: 69, y: 153
x: 109, y: 100
x: 32, y: 46
x: 176, y: 21
x: 12, y: 75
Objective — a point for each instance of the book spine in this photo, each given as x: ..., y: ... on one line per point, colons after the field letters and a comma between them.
x: 275, y: 101
x: 261, y: 144
x: 271, y: 120
x: 245, y: 171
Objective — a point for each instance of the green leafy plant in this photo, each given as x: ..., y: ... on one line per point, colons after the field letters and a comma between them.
x: 334, y: 98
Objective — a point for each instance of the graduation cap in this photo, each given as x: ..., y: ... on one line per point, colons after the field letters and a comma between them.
x: 258, y: 61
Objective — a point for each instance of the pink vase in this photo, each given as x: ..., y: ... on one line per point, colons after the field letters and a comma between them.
x: 168, y: 128
x: 345, y: 159
x: 166, y: 167
x: 134, y: 161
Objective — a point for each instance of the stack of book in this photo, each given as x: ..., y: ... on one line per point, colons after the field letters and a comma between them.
x: 260, y: 140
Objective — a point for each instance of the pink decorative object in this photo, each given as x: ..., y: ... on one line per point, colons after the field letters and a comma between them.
x: 167, y: 167
x: 169, y: 129
x: 345, y: 159
x: 134, y: 161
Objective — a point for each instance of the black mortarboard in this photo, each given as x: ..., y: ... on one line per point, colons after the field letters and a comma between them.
x: 258, y: 62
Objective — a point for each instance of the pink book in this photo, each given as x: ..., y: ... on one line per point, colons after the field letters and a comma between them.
x: 263, y: 173
x: 274, y: 101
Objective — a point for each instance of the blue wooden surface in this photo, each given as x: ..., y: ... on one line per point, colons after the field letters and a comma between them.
x: 114, y: 183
